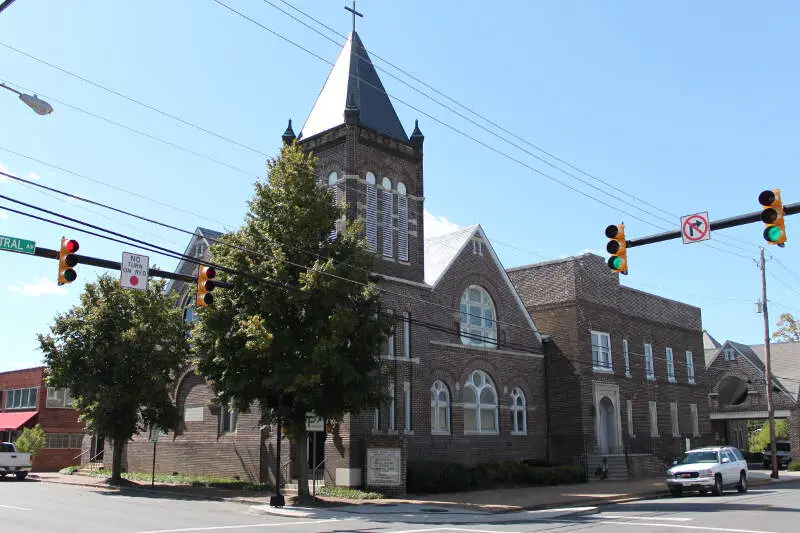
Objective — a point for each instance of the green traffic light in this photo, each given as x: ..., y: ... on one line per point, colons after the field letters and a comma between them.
x: 772, y: 234
x: 615, y: 263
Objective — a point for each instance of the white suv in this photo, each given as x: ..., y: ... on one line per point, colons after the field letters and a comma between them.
x: 713, y: 468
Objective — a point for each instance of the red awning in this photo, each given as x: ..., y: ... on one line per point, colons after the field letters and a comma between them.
x: 13, y: 421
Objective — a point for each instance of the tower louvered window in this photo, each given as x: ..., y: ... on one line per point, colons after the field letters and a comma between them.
x: 387, y: 204
x: 402, y: 223
x: 372, y: 213
x: 333, y: 178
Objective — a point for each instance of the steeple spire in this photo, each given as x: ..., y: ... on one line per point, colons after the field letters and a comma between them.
x: 354, y: 12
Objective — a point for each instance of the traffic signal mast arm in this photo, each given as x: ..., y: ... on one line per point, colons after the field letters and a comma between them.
x: 739, y: 220
x: 115, y: 265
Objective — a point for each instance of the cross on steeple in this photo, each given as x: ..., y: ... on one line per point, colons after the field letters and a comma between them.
x: 354, y: 12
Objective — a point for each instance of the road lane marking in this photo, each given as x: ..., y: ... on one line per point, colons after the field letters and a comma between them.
x: 667, y: 518
x: 244, y: 526
x: 684, y: 526
x: 15, y: 508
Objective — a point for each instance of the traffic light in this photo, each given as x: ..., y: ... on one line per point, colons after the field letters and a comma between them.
x: 67, y: 261
x: 618, y: 262
x: 772, y: 216
x: 205, y: 286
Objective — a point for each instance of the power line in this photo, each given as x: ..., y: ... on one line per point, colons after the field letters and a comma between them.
x: 775, y: 258
x: 779, y: 280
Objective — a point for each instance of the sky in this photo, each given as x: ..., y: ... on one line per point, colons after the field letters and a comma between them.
x: 688, y: 106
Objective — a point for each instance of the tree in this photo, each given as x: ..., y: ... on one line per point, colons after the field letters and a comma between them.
x: 117, y: 352
x: 788, y: 329
x: 759, y: 440
x: 31, y: 441
x: 292, y: 323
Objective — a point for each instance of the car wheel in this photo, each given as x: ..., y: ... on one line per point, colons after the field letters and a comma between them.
x: 21, y: 476
x: 676, y: 493
x: 742, y: 486
x: 717, y: 490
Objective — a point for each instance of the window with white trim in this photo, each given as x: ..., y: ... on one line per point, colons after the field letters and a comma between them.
x: 601, y: 351
x: 402, y: 222
x: 478, y: 325
x: 63, y: 441
x: 626, y: 354
x: 58, y: 398
x: 630, y: 418
x: 406, y: 335
x: 690, y: 367
x: 650, y: 371
x: 333, y: 178
x: 673, y: 413
x: 21, y: 398
x: 387, y: 205
x: 519, y: 418
x: 392, y: 416
x: 372, y: 213
x: 227, y: 419
x: 695, y: 420
x: 440, y: 408
x: 653, y: 408
x: 387, y: 349
x: 670, y: 366
x: 407, y: 406
x: 480, y: 404
x: 729, y: 354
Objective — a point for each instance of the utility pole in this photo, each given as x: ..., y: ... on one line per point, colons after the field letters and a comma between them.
x: 767, y: 364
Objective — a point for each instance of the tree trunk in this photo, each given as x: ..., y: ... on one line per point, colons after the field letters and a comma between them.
x: 300, y: 438
x: 116, y: 461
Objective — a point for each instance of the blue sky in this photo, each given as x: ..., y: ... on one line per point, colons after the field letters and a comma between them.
x: 689, y: 106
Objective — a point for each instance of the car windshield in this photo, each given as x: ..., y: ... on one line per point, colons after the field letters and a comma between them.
x: 6, y: 448
x: 699, y: 457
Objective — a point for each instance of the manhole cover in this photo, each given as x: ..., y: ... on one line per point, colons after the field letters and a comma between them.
x: 432, y: 510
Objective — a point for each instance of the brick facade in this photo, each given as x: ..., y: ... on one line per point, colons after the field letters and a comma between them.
x: 53, y: 420
x: 571, y: 298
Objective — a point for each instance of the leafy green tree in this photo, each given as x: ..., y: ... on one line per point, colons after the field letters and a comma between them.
x: 788, y: 329
x: 31, y: 441
x: 117, y: 352
x: 760, y: 439
x: 292, y: 323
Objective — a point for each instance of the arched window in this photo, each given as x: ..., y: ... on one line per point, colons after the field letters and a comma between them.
x: 387, y: 204
x: 478, y: 325
x: 440, y: 408
x: 372, y: 213
x: 519, y: 417
x: 333, y: 178
x: 402, y: 223
x: 480, y: 404
x: 189, y: 313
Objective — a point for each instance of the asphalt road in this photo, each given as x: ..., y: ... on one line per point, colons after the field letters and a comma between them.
x: 45, y: 507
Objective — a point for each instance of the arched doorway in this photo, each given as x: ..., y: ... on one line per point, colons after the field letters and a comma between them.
x: 607, y: 430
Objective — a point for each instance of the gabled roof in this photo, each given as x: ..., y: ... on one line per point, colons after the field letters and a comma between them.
x: 785, y: 363
x: 354, y: 82
x: 209, y: 236
x: 442, y: 251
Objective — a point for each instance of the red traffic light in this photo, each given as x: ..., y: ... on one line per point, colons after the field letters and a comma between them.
x: 210, y: 272
x: 71, y: 246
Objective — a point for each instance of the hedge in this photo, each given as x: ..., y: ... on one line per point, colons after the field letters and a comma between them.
x: 794, y: 467
x: 438, y: 476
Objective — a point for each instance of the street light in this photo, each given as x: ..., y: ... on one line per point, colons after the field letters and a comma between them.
x: 34, y: 102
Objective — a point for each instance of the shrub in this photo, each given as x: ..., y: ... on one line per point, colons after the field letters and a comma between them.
x: 31, y: 441
x: 348, y: 493
x: 794, y: 467
x: 68, y: 470
x: 437, y: 477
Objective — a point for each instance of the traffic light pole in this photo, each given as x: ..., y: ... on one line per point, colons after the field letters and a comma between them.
x: 768, y: 369
x: 47, y: 253
x: 740, y: 220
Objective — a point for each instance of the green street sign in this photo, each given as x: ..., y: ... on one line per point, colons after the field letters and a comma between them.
x: 13, y: 244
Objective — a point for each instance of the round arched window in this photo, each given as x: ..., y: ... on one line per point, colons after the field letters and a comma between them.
x: 333, y: 178
x: 370, y: 178
x: 480, y: 404
x: 401, y: 189
x: 478, y: 323
x: 386, y: 183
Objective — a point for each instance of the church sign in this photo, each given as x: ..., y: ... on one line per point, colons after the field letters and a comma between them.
x: 383, y: 467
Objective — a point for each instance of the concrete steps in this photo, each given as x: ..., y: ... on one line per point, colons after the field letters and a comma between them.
x: 291, y: 487
x: 617, y: 467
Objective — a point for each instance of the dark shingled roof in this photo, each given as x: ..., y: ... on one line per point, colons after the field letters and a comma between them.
x: 353, y: 78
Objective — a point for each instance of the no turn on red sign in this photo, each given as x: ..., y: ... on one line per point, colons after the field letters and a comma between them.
x: 134, y: 271
x: 695, y: 228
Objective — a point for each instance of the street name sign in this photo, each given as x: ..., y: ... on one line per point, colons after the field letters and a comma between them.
x: 134, y: 271
x: 695, y: 228
x: 15, y: 244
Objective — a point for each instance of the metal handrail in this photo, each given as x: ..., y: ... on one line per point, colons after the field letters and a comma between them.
x: 284, y: 477
x: 92, y: 459
x: 80, y: 455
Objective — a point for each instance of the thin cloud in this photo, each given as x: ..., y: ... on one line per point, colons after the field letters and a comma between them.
x: 435, y: 226
x: 3, y: 215
x: 43, y: 287
x: 33, y: 176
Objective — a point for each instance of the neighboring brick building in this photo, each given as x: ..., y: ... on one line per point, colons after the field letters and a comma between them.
x: 737, y: 387
x: 625, y: 370
x: 466, y: 358
x: 27, y: 401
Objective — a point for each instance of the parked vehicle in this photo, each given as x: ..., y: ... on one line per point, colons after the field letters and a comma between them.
x: 784, y: 449
x: 14, y: 462
x: 712, y: 469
